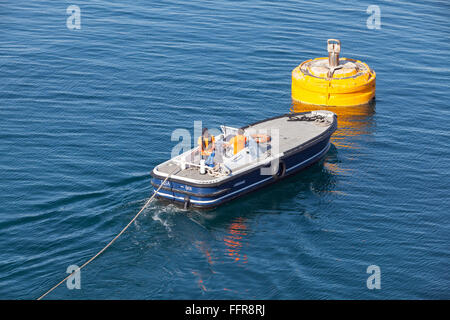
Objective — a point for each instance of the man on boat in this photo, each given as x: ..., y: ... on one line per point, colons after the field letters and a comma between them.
x: 238, y: 142
x: 206, y: 143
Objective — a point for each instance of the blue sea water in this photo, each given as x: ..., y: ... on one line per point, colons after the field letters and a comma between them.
x: 85, y: 114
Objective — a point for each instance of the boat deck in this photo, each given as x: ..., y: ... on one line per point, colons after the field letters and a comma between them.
x: 291, y: 135
x: 190, y: 173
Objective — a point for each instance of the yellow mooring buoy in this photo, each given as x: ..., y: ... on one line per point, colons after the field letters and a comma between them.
x: 333, y: 81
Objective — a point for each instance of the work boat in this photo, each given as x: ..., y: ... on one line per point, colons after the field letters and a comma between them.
x: 275, y: 148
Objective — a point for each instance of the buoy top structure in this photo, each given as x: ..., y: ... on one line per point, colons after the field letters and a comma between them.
x: 333, y: 81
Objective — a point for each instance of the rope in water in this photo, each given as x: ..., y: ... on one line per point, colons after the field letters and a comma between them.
x: 113, y: 240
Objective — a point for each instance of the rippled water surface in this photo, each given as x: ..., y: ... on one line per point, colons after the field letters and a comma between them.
x: 86, y: 114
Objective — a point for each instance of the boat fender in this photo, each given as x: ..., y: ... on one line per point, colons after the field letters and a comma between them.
x: 187, y: 202
x: 280, y: 170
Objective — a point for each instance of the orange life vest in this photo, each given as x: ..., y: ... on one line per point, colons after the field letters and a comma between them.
x: 238, y: 142
x: 206, y: 148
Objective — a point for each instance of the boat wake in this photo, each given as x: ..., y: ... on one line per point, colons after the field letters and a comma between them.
x: 157, y: 216
x: 163, y: 214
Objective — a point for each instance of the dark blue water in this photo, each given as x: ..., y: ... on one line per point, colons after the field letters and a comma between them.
x: 86, y: 114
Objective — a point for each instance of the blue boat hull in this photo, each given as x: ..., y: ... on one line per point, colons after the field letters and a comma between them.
x: 212, y: 196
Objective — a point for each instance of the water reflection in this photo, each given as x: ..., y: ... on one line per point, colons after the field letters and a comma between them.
x: 352, y: 121
x: 236, y: 231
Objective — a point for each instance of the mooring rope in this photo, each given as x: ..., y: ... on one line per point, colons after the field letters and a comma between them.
x: 113, y: 240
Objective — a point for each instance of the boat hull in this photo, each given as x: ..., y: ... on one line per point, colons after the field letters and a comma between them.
x: 213, y: 195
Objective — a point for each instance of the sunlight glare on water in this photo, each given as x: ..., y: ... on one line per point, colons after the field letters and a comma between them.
x: 87, y: 113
